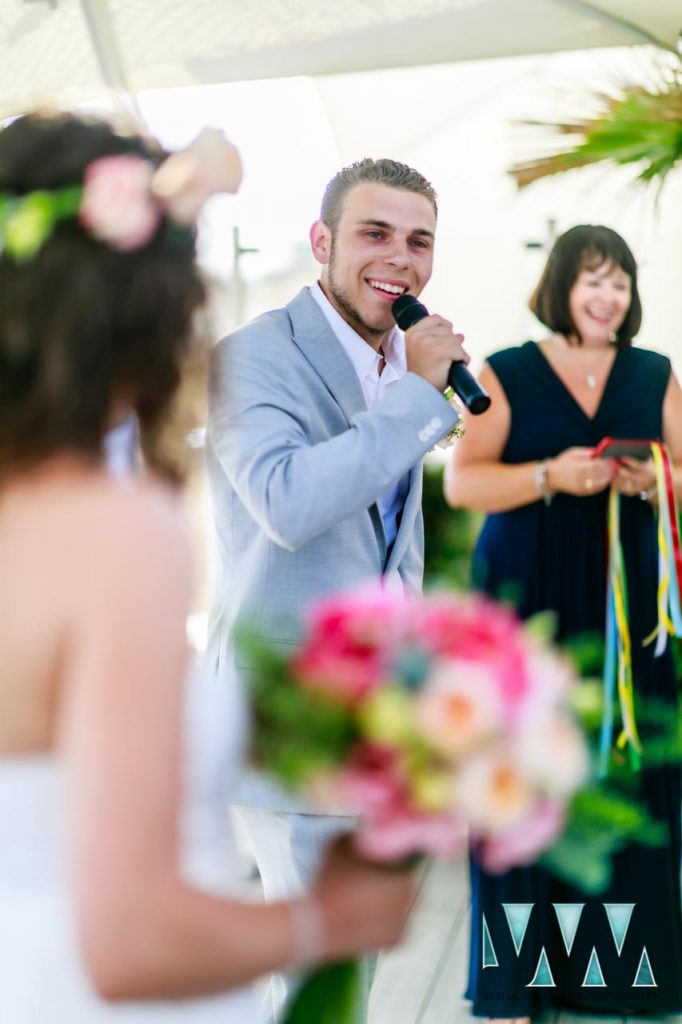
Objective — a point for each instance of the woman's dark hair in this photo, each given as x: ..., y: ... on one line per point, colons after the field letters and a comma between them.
x: 81, y: 324
x: 585, y: 247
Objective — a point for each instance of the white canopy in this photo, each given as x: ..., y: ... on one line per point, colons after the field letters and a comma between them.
x: 66, y: 50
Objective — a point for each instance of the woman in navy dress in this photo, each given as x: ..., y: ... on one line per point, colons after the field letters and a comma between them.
x: 537, y: 944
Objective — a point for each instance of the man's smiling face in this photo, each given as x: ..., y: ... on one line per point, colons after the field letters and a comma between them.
x: 381, y: 248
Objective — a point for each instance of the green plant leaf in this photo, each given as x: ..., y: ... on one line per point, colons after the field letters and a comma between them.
x: 329, y: 995
x: 633, y: 125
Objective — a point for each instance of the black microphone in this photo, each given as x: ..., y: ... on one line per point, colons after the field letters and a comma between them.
x: 408, y: 311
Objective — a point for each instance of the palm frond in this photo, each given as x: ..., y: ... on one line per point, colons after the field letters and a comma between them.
x: 637, y: 124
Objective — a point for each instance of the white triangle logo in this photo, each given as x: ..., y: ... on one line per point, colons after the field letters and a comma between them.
x: 543, y: 975
x: 489, y: 955
x: 645, y: 976
x: 593, y: 975
x: 518, y: 916
x: 568, y: 916
x: 619, y: 915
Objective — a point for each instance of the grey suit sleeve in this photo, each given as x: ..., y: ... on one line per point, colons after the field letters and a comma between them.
x: 260, y: 429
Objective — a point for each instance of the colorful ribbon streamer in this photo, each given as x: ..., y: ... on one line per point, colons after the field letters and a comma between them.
x: 618, y: 659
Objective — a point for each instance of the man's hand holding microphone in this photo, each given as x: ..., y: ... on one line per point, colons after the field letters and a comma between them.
x: 436, y: 353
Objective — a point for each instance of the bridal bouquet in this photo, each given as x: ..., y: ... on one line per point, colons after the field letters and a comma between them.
x: 440, y: 722
x: 437, y: 721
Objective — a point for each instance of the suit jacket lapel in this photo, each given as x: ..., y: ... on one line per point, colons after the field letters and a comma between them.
x: 410, y: 510
x: 323, y: 350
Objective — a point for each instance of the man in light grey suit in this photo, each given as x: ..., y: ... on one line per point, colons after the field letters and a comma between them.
x: 320, y: 414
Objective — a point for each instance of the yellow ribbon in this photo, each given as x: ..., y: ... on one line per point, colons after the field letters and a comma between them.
x: 619, y: 589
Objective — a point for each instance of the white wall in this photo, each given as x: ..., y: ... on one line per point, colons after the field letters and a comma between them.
x: 455, y: 123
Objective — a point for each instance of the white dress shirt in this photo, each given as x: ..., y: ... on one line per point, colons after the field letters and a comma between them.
x: 121, y: 447
x: 366, y: 365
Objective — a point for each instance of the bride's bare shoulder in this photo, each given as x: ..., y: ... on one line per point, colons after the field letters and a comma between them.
x: 89, y: 514
x: 135, y: 514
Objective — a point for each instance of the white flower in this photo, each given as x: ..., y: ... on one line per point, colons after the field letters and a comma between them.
x: 459, y: 706
x: 549, y: 750
x: 492, y: 792
x: 550, y: 677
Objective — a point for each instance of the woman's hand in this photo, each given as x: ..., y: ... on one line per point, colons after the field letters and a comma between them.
x: 576, y: 472
x: 365, y: 905
x: 633, y: 477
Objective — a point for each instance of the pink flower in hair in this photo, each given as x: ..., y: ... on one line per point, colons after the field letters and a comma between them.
x: 117, y: 207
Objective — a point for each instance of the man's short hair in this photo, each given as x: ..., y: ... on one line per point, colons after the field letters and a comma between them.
x: 378, y: 172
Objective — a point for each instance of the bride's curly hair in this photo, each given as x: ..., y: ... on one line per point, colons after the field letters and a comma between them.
x: 81, y: 324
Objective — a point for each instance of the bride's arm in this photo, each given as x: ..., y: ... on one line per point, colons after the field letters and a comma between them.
x: 144, y: 932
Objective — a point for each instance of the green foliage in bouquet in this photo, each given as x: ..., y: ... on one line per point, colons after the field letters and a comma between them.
x: 601, y: 822
x: 608, y: 814
x: 296, y: 734
x: 330, y: 995
x: 396, y: 708
x: 301, y: 734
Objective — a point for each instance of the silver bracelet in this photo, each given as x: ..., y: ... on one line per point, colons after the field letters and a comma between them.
x: 308, y: 933
x: 647, y: 495
x: 541, y: 481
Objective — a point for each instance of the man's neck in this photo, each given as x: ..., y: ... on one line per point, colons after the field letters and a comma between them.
x: 375, y: 339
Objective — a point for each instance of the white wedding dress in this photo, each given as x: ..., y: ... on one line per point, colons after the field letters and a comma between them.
x: 42, y: 979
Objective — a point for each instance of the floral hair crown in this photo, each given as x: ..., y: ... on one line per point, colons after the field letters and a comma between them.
x: 123, y: 198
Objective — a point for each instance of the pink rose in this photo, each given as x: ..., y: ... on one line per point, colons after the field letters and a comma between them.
x: 397, y: 835
x: 346, y: 676
x: 365, y: 618
x: 351, y: 641
x: 372, y: 781
x: 523, y: 842
x: 475, y: 629
x: 117, y: 207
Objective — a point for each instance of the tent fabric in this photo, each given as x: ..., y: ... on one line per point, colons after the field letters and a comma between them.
x: 63, y: 50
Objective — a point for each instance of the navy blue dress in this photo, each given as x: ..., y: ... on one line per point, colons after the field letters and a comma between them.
x: 556, y: 558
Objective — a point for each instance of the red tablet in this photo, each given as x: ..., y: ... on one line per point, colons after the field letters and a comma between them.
x: 619, y: 447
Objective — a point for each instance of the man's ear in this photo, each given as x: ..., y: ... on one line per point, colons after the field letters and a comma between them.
x: 321, y: 241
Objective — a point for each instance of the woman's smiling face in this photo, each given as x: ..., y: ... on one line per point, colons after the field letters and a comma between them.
x: 599, y: 302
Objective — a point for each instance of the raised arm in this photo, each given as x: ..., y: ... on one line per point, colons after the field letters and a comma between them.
x: 260, y: 428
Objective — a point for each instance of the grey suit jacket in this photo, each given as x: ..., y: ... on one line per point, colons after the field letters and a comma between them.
x: 296, y: 463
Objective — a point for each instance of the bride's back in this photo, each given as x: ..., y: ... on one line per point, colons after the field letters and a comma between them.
x: 60, y: 525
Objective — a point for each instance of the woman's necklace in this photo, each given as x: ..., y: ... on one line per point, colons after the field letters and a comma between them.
x: 591, y: 377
